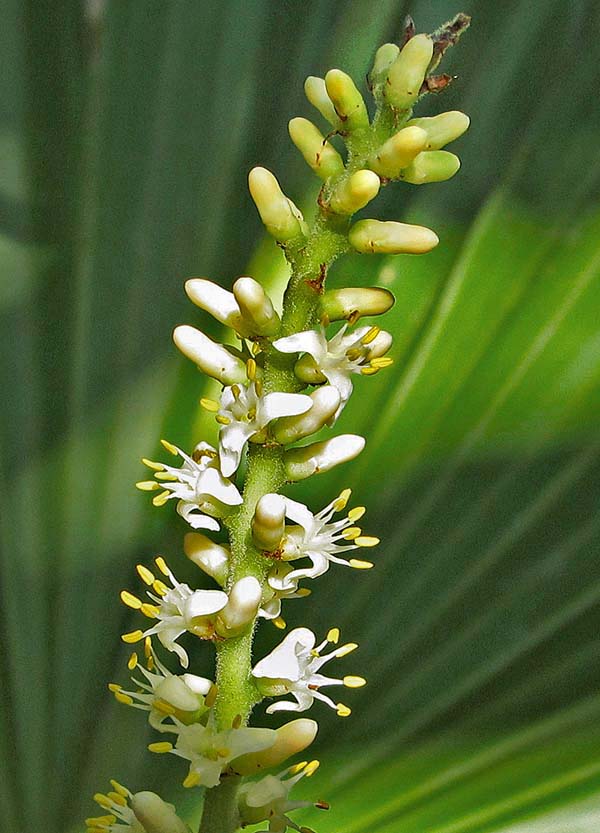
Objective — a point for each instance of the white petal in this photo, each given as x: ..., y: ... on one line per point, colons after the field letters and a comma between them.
x: 192, y: 514
x: 310, y: 341
x: 204, y: 603
x: 232, y: 439
x: 275, y: 405
x: 285, y: 706
x: 282, y: 663
x: 300, y: 514
x: 212, y: 484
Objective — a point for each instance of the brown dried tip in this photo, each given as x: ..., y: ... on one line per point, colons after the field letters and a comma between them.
x: 446, y: 36
x: 409, y: 31
x: 436, y: 83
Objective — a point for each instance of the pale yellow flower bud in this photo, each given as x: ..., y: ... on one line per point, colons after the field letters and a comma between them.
x: 268, y: 523
x: 318, y: 153
x: 316, y: 92
x: 408, y: 72
x: 280, y: 216
x: 217, y: 301
x: 398, y: 152
x: 442, y: 129
x: 374, y: 236
x: 326, y: 401
x: 244, y: 600
x: 156, y: 815
x: 291, y: 739
x: 212, y: 358
x: 212, y: 558
x: 256, y: 307
x: 315, y: 458
x: 384, y: 58
x: 355, y: 192
x: 431, y: 166
x: 339, y: 304
x: 347, y: 100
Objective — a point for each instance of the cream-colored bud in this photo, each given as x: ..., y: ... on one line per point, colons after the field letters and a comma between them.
x: 155, y: 815
x: 384, y: 58
x: 268, y: 523
x: 244, y: 600
x: 326, y: 401
x: 316, y: 92
x: 256, y: 307
x: 398, y: 152
x: 442, y: 129
x: 340, y: 304
x: 215, y: 300
x: 380, y: 344
x: 373, y: 236
x: 408, y: 72
x: 318, y: 153
x: 212, y: 358
x: 212, y: 558
x: 355, y: 192
x: 431, y: 166
x: 307, y: 370
x: 291, y: 739
x: 347, y: 100
x: 320, y: 457
x: 280, y: 216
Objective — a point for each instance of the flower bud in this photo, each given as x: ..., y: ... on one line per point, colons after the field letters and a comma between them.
x: 212, y: 358
x: 384, y: 58
x: 318, y: 153
x: 370, y: 236
x: 155, y: 815
x: 326, y: 401
x: 431, y: 166
x: 348, y: 102
x: 244, y: 600
x: 408, y: 72
x: 215, y: 300
x: 320, y: 457
x: 354, y: 192
x: 316, y: 92
x: 212, y: 558
x: 279, y: 214
x: 268, y: 523
x: 380, y: 344
x: 339, y: 304
x: 256, y: 307
x: 398, y: 152
x: 442, y: 129
x: 291, y: 738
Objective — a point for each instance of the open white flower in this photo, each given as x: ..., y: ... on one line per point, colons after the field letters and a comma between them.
x: 294, y: 668
x: 202, y: 492
x: 175, y: 609
x: 124, y: 812
x: 162, y: 693
x: 335, y: 360
x: 268, y: 799
x: 244, y: 413
x: 210, y: 752
x: 276, y: 589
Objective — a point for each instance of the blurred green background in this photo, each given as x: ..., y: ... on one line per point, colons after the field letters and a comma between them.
x: 127, y: 130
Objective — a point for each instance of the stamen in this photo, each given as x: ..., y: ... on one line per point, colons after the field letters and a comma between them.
x: 222, y: 420
x: 333, y: 635
x: 346, y: 649
x: 342, y: 501
x: 192, y: 779
x: 356, y: 513
x: 258, y: 387
x: 164, y: 707
x: 211, y: 697
x: 296, y: 768
x: 151, y: 611
x: 161, y: 747
x: 117, y: 798
x: 343, y: 711
x: 170, y: 447
x: 162, y: 565
x: 132, y: 662
x: 311, y: 768
x: 236, y: 722
x: 354, y: 682
x: 369, y: 371
x: 166, y: 475
x: 366, y: 541
x: 382, y: 361
x: 353, y: 353
x: 147, y: 485
x: 103, y: 801
x: 280, y: 623
x: 130, y: 600
x: 159, y: 587
x: 114, y: 687
x: 161, y: 499
x: 152, y: 465
x: 351, y: 533
x: 353, y: 317
x: 123, y: 698
x: 133, y: 637
x: 209, y: 404
x: 251, y: 369
x: 360, y: 565
x: 119, y: 788
x: 148, y: 647
x: 371, y: 335
x: 145, y: 574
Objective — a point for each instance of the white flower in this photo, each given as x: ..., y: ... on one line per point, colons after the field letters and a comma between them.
x: 277, y: 588
x: 210, y: 752
x: 162, y: 693
x: 148, y: 813
x: 268, y: 799
x: 336, y: 359
x: 175, y: 609
x: 200, y: 488
x: 244, y: 413
x: 294, y: 668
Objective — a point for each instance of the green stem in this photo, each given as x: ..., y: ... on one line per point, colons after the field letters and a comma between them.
x: 219, y: 814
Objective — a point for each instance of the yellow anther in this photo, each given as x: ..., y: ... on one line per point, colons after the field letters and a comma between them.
x: 222, y: 420
x: 150, y: 664
x: 366, y: 541
x: 256, y: 348
x: 145, y: 574
x: 133, y: 637
x: 164, y: 707
x: 161, y: 747
x: 170, y: 447
x: 351, y: 533
x: 100, y: 822
x: 251, y: 369
x: 152, y: 465
x: 356, y: 513
x: 132, y: 661
x: 211, y: 697
x: 119, y: 788
x: 123, y: 698
x: 161, y: 499
x: 342, y: 501
x: 166, y: 475
x: 114, y: 687
x: 360, y: 565
x: 117, y: 798
x: 151, y: 611
x: 258, y: 387
x: 159, y: 587
x: 279, y: 623
x: 148, y: 647
x: 236, y: 390
x: 343, y: 711
x: 311, y: 768
x: 303, y: 592
x: 147, y: 485
x: 223, y: 752
x: 294, y: 770
x: 369, y: 371
x: 130, y: 600
x: 209, y: 404
x: 162, y: 565
x: 371, y: 335
x: 236, y: 722
x: 103, y: 801
x: 192, y: 779
x: 354, y: 353
x: 346, y: 649
x: 354, y: 682
x: 333, y: 635
x: 382, y: 361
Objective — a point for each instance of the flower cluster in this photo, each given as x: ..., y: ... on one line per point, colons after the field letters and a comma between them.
x: 287, y: 378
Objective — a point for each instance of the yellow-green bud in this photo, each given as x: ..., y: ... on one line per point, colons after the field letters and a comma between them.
x: 316, y: 92
x: 347, y: 100
x: 431, y: 166
x: 318, y: 153
x: 291, y: 738
x: 212, y: 558
x: 155, y: 815
x: 384, y: 58
x: 268, y: 523
x: 339, y: 304
x: 256, y: 307
x: 355, y: 192
x: 374, y: 236
x: 281, y: 217
x: 442, y: 129
x: 326, y: 401
x: 315, y: 458
x: 408, y: 72
x: 398, y: 152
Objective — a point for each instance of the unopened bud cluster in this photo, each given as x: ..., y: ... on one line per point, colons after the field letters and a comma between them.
x: 285, y: 378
